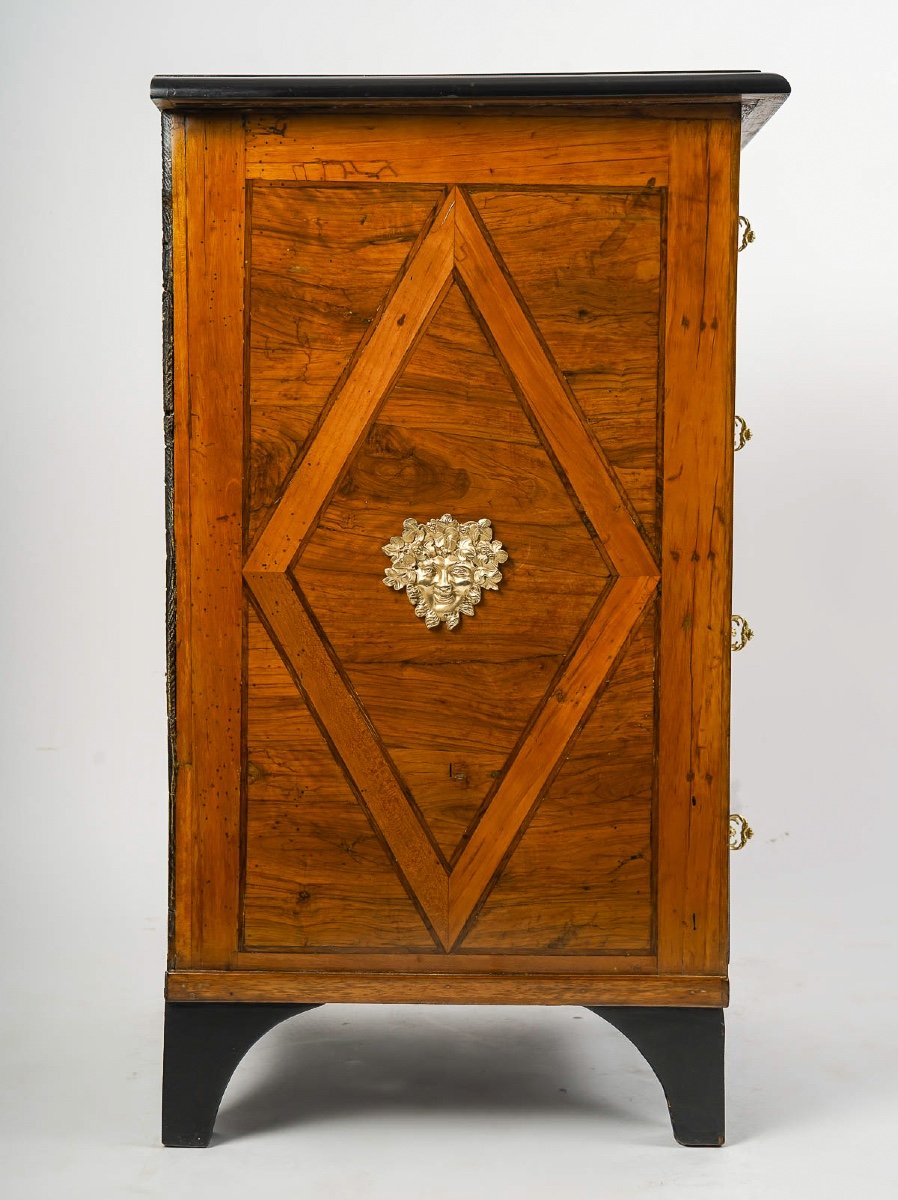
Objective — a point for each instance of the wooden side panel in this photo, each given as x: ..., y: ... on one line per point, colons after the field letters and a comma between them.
x: 454, y: 390
x: 547, y: 740
x: 466, y: 307
x: 398, y: 987
x: 417, y: 294
x: 322, y: 261
x: 317, y: 877
x: 462, y: 961
x: 450, y: 706
x: 549, y: 399
x: 587, y: 264
x: 356, y: 743
x: 534, y: 148
x: 580, y: 879
x: 208, y: 185
x: 696, y: 549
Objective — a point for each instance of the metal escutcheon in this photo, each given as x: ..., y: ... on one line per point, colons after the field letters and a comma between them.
x: 444, y: 566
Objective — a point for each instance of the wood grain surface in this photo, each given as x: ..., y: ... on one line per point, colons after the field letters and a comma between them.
x: 596, y: 299
x: 308, y: 840
x: 693, y: 743
x: 451, y: 709
x: 463, y: 961
x: 417, y: 295
x: 302, y: 987
x: 182, y: 884
x: 549, y: 399
x: 549, y: 459
x: 208, y: 187
x: 541, y: 750
x: 523, y: 317
x: 608, y: 151
x: 355, y: 744
x: 580, y: 879
x: 322, y: 262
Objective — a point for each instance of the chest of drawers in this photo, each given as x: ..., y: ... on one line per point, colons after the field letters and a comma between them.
x: 449, y: 404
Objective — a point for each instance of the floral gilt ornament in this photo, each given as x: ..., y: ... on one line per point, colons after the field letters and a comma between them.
x: 444, y: 567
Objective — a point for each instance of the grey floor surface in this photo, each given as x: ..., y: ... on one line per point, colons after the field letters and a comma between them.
x: 433, y: 1103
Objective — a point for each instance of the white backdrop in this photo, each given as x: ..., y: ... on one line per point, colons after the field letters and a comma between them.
x: 813, y: 1059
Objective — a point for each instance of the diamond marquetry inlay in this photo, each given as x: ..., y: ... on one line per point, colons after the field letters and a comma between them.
x: 455, y: 248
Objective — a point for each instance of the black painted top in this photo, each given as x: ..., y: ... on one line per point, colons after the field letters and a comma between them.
x: 760, y: 93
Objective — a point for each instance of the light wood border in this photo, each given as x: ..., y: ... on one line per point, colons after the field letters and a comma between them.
x: 693, y: 733
x: 485, y: 148
x: 338, y: 987
x: 208, y: 190
x: 459, y: 962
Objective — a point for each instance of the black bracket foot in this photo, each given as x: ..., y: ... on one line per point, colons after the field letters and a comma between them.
x: 203, y: 1045
x: 684, y: 1047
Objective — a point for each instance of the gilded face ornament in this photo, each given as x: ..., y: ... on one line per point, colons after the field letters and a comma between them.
x: 444, y: 567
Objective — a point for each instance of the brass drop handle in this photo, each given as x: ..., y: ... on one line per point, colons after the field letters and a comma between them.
x: 741, y: 632
x: 748, y: 234
x: 739, y: 832
x: 741, y: 433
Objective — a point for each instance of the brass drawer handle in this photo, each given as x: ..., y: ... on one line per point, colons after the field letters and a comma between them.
x: 741, y: 433
x: 741, y: 633
x: 748, y: 234
x: 739, y: 832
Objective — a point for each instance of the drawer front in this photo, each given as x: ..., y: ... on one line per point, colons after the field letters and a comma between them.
x: 452, y: 486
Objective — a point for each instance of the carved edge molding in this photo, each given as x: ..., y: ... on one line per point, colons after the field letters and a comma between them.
x: 168, y: 427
